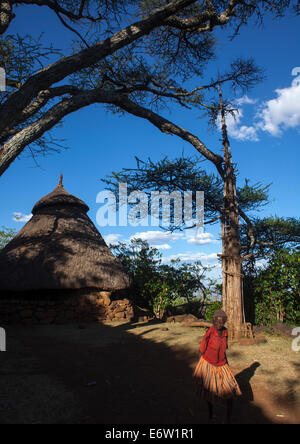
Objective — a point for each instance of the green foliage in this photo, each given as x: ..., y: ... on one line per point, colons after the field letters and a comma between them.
x: 216, y: 305
x: 6, y: 235
x: 181, y: 174
x: 252, y: 197
x: 271, y: 233
x: 159, y: 295
x: 22, y: 56
x: 277, y: 290
x: 157, y: 286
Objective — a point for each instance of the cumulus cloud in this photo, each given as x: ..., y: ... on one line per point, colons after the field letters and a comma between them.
x: 111, y: 239
x: 273, y: 116
x: 157, y: 237
x: 201, y: 239
x: 281, y: 113
x: 234, y: 122
x: 20, y: 217
x: 238, y: 131
x: 163, y: 247
x: 192, y: 257
x: 245, y: 100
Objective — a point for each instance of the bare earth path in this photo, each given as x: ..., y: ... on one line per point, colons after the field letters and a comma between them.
x: 136, y: 374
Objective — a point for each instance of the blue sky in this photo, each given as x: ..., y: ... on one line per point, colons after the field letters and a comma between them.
x: 264, y: 138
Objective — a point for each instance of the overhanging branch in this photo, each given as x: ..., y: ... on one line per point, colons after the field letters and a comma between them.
x: 56, y: 72
x: 16, y: 144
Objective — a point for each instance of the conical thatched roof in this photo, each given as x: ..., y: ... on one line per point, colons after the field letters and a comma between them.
x: 60, y: 248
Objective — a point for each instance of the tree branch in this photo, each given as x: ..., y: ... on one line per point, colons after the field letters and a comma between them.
x: 56, y: 72
x: 58, y: 9
x: 168, y: 127
x: 41, y: 100
x: 6, y: 15
x: 250, y: 228
x: 72, y: 29
x: 205, y: 21
x: 17, y: 143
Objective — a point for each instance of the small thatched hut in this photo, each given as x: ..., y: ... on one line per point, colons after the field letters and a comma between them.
x: 60, y: 256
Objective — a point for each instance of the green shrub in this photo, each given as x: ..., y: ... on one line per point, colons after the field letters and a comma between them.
x: 210, y: 311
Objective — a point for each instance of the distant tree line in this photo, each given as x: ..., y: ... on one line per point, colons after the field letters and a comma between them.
x: 6, y: 235
x: 161, y: 287
x: 271, y: 290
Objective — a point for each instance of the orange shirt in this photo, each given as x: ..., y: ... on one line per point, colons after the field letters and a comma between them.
x: 213, y: 347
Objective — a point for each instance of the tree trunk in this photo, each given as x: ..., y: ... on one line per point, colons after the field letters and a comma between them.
x: 233, y: 304
x: 232, y: 264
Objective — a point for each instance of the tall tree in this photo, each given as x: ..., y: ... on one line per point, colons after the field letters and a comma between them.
x: 132, y: 67
x: 232, y: 289
x: 225, y: 203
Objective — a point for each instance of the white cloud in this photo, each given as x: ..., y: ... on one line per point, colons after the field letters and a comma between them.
x: 273, y: 116
x: 163, y: 247
x: 111, y: 239
x: 161, y: 239
x: 201, y: 239
x: 238, y: 131
x: 192, y: 257
x: 154, y: 237
x: 281, y: 113
x: 20, y: 217
x: 233, y: 121
x: 245, y: 100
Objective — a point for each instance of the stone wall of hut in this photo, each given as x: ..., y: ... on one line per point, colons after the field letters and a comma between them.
x: 83, y: 307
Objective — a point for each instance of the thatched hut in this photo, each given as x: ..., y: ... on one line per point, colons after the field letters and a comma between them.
x: 59, y: 255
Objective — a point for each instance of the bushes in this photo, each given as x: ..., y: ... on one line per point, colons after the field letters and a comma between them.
x: 217, y: 305
x: 6, y: 235
x: 276, y: 290
x: 157, y: 286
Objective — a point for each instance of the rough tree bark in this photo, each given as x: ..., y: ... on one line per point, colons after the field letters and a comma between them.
x: 232, y: 296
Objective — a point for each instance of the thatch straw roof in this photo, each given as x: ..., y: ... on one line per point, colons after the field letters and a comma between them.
x: 60, y: 248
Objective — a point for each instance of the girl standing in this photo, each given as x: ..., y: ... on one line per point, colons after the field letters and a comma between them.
x: 213, y: 377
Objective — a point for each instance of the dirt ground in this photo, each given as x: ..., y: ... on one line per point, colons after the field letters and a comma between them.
x: 136, y: 374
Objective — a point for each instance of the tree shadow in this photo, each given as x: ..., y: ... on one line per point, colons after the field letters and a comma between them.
x: 118, y: 377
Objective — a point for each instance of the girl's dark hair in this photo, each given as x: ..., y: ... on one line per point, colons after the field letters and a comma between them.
x: 220, y: 314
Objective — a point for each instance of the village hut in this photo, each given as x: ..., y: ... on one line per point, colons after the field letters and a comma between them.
x: 60, y: 255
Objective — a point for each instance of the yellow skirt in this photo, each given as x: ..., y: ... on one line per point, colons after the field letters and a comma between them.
x: 215, y: 383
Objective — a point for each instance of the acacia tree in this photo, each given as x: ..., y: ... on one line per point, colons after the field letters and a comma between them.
x: 240, y: 249
x: 158, y: 286
x: 130, y: 67
x: 134, y: 68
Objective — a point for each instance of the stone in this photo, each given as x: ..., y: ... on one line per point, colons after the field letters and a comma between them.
x: 119, y: 310
x: 119, y: 315
x: 105, y: 295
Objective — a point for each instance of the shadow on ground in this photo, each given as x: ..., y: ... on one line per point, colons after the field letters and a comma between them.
x: 104, y: 375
